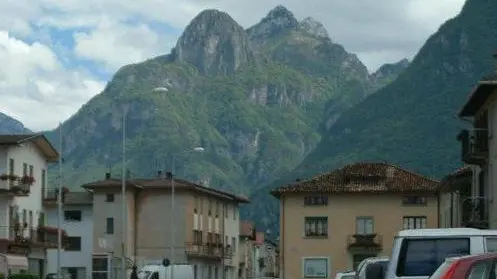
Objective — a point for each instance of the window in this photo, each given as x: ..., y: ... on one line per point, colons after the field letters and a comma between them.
x: 195, y: 205
x: 72, y: 215
x: 414, y: 222
x: 31, y: 170
x: 43, y: 179
x: 209, y: 208
x: 109, y: 197
x: 226, y: 210
x: 201, y: 205
x: 315, y: 267
x: 233, y: 244
x: 11, y: 166
x: 414, y: 200
x: 364, y: 225
x: 316, y: 226
x: 74, y: 243
x: 421, y: 257
x: 210, y: 238
x: 491, y: 244
x: 316, y: 200
x: 218, y: 238
x: 110, y: 226
x: 480, y: 270
x: 100, y: 267
x: 41, y: 219
x: 24, y: 169
x: 217, y: 209
x: 197, y: 237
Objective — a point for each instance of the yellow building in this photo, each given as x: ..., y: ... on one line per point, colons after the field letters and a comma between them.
x: 331, y: 222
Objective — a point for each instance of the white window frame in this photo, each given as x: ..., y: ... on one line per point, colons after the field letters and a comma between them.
x: 328, y: 266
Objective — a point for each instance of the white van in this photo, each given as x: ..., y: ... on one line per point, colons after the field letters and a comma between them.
x: 416, y: 254
x: 363, y: 266
x: 157, y: 271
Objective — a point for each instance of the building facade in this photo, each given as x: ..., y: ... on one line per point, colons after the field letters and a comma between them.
x: 479, y: 147
x: 205, y: 224
x: 24, y: 234
x: 330, y: 223
x: 77, y: 221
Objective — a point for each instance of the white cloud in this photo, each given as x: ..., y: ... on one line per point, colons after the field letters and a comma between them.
x: 35, y: 88
x: 40, y: 89
x: 117, y: 44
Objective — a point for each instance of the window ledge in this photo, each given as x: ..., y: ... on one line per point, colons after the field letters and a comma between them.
x: 316, y: 237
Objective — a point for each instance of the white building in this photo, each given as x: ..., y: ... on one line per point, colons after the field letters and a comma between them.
x: 479, y: 149
x: 77, y: 221
x: 24, y: 163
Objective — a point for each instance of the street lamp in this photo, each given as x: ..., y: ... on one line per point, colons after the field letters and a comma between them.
x: 173, y: 208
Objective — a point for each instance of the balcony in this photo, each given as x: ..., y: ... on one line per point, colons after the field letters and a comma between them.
x: 15, y: 185
x: 474, y: 146
x: 475, y: 212
x: 365, y: 242
x: 20, y: 239
x: 208, y: 250
x: 50, y: 196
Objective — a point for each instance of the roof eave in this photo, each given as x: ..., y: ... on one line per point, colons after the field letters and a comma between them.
x: 467, y: 110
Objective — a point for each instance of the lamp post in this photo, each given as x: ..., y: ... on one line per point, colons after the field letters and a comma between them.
x: 173, y: 208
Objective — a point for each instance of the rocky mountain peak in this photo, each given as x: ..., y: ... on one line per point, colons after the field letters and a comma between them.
x: 314, y: 27
x: 278, y: 20
x: 214, y: 43
x: 9, y: 125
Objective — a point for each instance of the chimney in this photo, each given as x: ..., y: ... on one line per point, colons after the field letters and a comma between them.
x: 159, y: 174
x: 107, y: 175
x: 169, y: 175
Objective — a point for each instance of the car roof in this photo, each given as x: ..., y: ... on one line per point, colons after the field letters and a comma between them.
x: 474, y: 257
x: 378, y: 259
x: 445, y: 232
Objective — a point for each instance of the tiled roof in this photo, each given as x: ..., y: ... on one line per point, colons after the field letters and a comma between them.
x: 461, y: 174
x: 39, y: 140
x: 151, y: 183
x: 363, y: 177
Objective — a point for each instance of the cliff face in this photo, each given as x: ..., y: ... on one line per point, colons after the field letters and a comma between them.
x: 9, y: 125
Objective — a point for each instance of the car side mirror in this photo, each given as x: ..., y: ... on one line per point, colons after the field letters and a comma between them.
x: 375, y: 271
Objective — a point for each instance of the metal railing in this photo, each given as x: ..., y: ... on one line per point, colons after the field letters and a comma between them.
x: 474, y: 145
x: 364, y: 241
x: 475, y: 212
x: 16, y: 187
x: 42, y: 236
x: 214, y: 250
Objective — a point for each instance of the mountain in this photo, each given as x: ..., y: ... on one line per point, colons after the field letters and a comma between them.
x: 253, y: 99
x: 411, y: 122
x: 9, y: 125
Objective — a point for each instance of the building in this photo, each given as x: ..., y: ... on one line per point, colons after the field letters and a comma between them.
x: 331, y: 222
x: 206, y: 225
x: 479, y: 147
x: 24, y: 233
x: 258, y: 255
x: 77, y: 221
x: 457, y: 206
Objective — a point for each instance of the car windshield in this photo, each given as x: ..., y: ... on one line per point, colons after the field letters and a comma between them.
x: 421, y: 257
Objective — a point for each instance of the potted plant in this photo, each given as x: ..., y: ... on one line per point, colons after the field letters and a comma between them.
x: 4, y: 177
x: 29, y: 180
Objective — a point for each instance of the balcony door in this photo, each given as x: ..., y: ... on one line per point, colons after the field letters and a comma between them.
x: 364, y: 225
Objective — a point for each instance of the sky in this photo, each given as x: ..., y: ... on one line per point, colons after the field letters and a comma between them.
x: 57, y: 54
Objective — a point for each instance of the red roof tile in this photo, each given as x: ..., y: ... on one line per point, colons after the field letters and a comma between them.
x: 460, y: 175
x: 247, y: 228
x: 363, y: 177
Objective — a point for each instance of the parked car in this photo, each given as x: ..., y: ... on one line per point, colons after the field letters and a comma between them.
x: 345, y: 275
x: 472, y: 267
x: 362, y: 268
x: 416, y: 254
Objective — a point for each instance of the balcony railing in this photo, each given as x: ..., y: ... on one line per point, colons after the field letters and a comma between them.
x: 474, y: 146
x: 365, y: 242
x: 45, y: 237
x: 475, y: 212
x: 211, y: 250
x: 50, y: 196
x: 14, y: 185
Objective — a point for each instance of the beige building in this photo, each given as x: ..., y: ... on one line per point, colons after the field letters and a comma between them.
x: 479, y: 146
x: 206, y: 224
x: 331, y: 222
